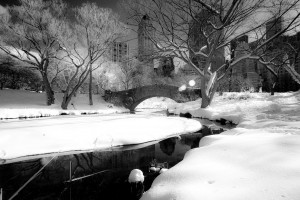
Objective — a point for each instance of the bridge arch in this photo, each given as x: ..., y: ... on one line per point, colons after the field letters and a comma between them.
x: 136, y: 103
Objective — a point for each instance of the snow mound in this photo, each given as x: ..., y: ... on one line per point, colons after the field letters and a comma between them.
x: 234, y: 168
x: 135, y: 176
x: 16, y: 104
x: 259, y: 159
x: 37, y: 137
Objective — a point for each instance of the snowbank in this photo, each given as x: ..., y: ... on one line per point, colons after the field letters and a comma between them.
x: 234, y: 167
x: 156, y: 102
x: 257, y: 160
x: 31, y: 138
x: 237, y: 107
x: 26, y: 104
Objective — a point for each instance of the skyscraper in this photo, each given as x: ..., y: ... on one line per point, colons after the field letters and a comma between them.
x: 284, y: 42
x: 145, y: 44
x: 119, y: 51
x: 273, y: 27
x: 198, y: 40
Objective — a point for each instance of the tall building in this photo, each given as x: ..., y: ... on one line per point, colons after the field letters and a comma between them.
x: 119, y: 51
x: 145, y: 44
x: 164, y: 66
x: 273, y: 27
x: 197, y: 40
x: 247, y: 73
x: 256, y: 73
x: 285, y: 81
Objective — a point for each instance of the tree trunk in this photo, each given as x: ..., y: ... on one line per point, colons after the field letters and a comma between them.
x: 68, y: 95
x: 90, y: 86
x: 49, y: 91
x: 273, y: 89
x: 207, y: 93
x: 205, y: 99
x: 90, y: 46
x: 65, y: 102
x: 274, y: 86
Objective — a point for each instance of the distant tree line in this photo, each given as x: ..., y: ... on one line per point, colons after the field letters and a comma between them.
x: 13, y: 76
x: 64, y: 45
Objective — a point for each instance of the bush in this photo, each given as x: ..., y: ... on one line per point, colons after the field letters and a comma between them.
x: 18, y: 77
x: 115, y: 100
x: 244, y: 96
x: 237, y: 96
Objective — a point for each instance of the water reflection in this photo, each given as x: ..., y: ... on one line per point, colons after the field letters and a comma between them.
x: 168, y: 146
x: 95, y: 175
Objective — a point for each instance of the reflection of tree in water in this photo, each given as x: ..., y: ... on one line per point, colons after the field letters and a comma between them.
x: 193, y: 140
x: 85, y: 162
x: 206, y: 131
x: 87, y: 183
x: 14, y: 176
x: 168, y: 146
x: 111, y: 184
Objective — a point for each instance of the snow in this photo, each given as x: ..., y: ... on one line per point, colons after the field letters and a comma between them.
x: 259, y: 159
x: 22, y: 104
x: 86, y: 133
x: 135, y: 176
x: 156, y: 103
x: 59, y: 135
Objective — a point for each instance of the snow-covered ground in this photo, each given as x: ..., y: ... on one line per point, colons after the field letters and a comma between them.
x: 57, y: 135
x: 22, y: 103
x: 60, y: 135
x: 260, y: 159
x: 156, y: 103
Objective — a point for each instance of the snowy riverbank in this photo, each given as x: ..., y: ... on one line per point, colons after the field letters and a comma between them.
x: 25, y: 104
x: 257, y: 160
x: 27, y: 139
x: 58, y: 135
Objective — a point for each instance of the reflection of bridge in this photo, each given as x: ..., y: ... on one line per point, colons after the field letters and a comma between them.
x: 133, y: 97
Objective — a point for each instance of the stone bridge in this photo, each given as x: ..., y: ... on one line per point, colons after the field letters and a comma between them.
x: 133, y: 97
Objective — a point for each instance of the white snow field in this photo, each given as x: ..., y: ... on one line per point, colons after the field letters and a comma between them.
x: 58, y: 135
x: 258, y: 160
x: 31, y: 138
x: 22, y: 103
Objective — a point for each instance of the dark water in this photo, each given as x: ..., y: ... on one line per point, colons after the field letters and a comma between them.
x: 95, y: 175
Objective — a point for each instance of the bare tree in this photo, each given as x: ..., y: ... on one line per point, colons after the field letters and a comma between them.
x: 128, y: 72
x: 85, y: 41
x: 28, y: 34
x: 281, y: 58
x: 198, y: 31
x: 106, y: 80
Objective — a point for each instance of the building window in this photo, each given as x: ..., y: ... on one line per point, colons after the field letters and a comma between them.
x: 255, y: 66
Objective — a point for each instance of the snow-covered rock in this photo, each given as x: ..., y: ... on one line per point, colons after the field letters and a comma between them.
x: 135, y: 176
